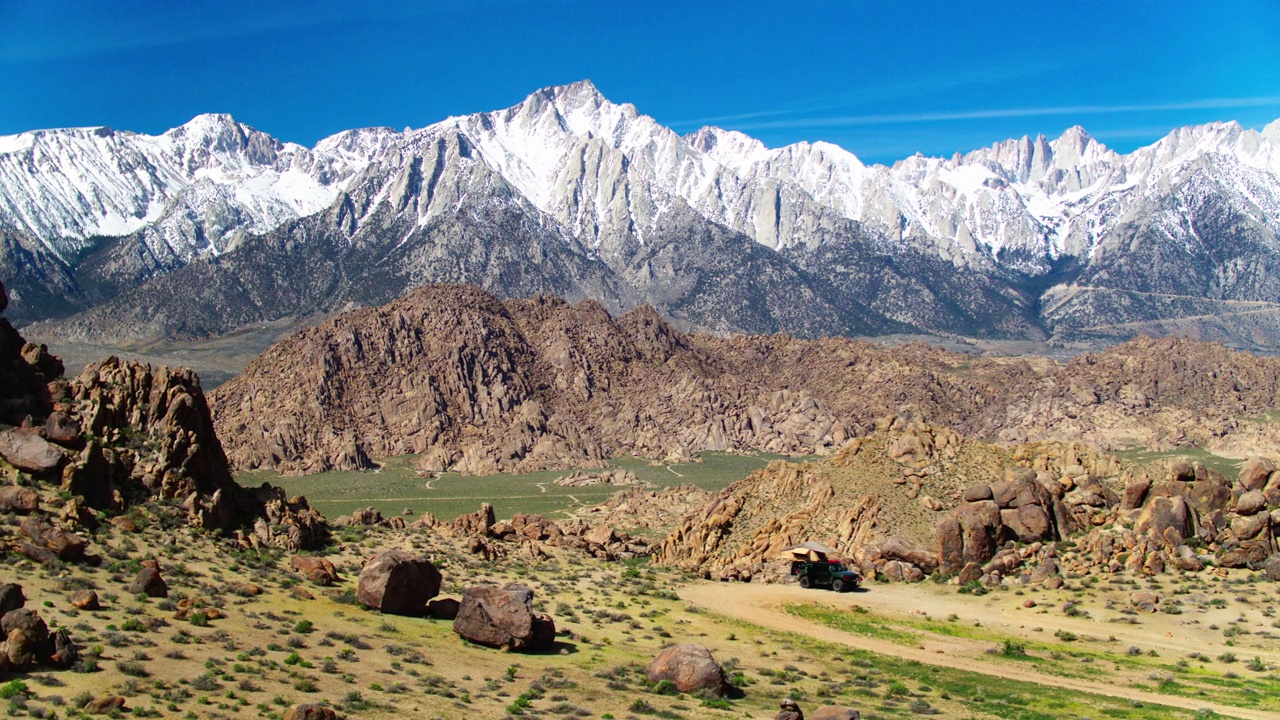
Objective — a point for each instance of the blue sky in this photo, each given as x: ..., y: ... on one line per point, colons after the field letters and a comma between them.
x: 882, y: 79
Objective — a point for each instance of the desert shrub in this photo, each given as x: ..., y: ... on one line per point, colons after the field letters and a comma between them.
x: 1013, y: 648
x: 205, y: 683
x: 133, y: 668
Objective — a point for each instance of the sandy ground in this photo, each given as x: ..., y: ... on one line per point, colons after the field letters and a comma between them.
x: 762, y: 605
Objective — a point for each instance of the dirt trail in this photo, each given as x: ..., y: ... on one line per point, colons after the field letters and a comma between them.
x: 762, y: 605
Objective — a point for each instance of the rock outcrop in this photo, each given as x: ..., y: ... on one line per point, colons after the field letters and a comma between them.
x: 879, y: 503
x: 121, y: 433
x: 1183, y: 522
x: 998, y: 513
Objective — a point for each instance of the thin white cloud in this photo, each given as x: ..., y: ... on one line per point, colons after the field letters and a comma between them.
x: 901, y: 118
x: 882, y: 92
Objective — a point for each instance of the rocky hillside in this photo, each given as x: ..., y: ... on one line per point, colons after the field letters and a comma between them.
x: 879, y: 501
x: 117, y: 435
x: 479, y: 385
x: 911, y: 500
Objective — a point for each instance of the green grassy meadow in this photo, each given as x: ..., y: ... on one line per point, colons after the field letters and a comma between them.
x: 1230, y: 467
x: 396, y: 486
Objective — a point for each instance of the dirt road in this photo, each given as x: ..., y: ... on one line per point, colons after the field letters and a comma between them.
x: 762, y: 604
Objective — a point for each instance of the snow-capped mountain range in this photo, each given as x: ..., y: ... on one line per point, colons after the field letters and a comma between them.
x: 91, y: 214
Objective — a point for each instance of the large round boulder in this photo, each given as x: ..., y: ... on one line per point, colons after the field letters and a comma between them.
x: 398, y: 583
x: 503, y: 617
x: 689, y: 667
x: 25, y: 637
x: 149, y: 582
x: 28, y: 451
x: 1254, y: 473
x: 1165, y: 512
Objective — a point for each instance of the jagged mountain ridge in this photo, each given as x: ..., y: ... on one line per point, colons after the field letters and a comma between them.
x: 1024, y: 239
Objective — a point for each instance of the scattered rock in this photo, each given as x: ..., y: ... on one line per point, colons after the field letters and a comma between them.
x: 1182, y: 471
x: 503, y: 617
x: 398, y: 583
x: 690, y: 667
x: 1145, y: 601
x: 19, y: 500
x: 1135, y: 493
x: 790, y: 710
x: 310, y: 712
x: 316, y: 569
x: 1250, y: 553
x: 85, y: 600
x: 28, y: 451
x: 26, y: 636
x: 1251, y: 502
x: 1165, y: 512
x: 11, y: 598
x: 65, y: 654
x: 977, y: 493
x: 63, y: 429
x: 149, y: 582
x: 66, y: 546
x: 104, y: 704
x: 124, y: 523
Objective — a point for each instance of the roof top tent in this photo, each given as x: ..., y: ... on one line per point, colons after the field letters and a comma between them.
x: 808, y: 551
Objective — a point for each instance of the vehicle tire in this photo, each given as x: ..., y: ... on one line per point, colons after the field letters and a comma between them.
x: 837, y: 585
x: 804, y: 582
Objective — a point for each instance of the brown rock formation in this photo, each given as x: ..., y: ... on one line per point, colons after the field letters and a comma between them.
x: 121, y: 433
x: 859, y: 503
x: 479, y: 385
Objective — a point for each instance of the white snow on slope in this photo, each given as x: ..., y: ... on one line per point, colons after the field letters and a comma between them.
x: 605, y: 170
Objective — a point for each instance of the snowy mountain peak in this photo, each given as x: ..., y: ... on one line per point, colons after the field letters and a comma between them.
x: 217, y: 139
x: 1272, y: 132
x: 728, y: 147
x: 611, y: 178
x: 582, y: 92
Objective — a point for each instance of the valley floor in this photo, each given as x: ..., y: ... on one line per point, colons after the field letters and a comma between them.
x: 998, y: 636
